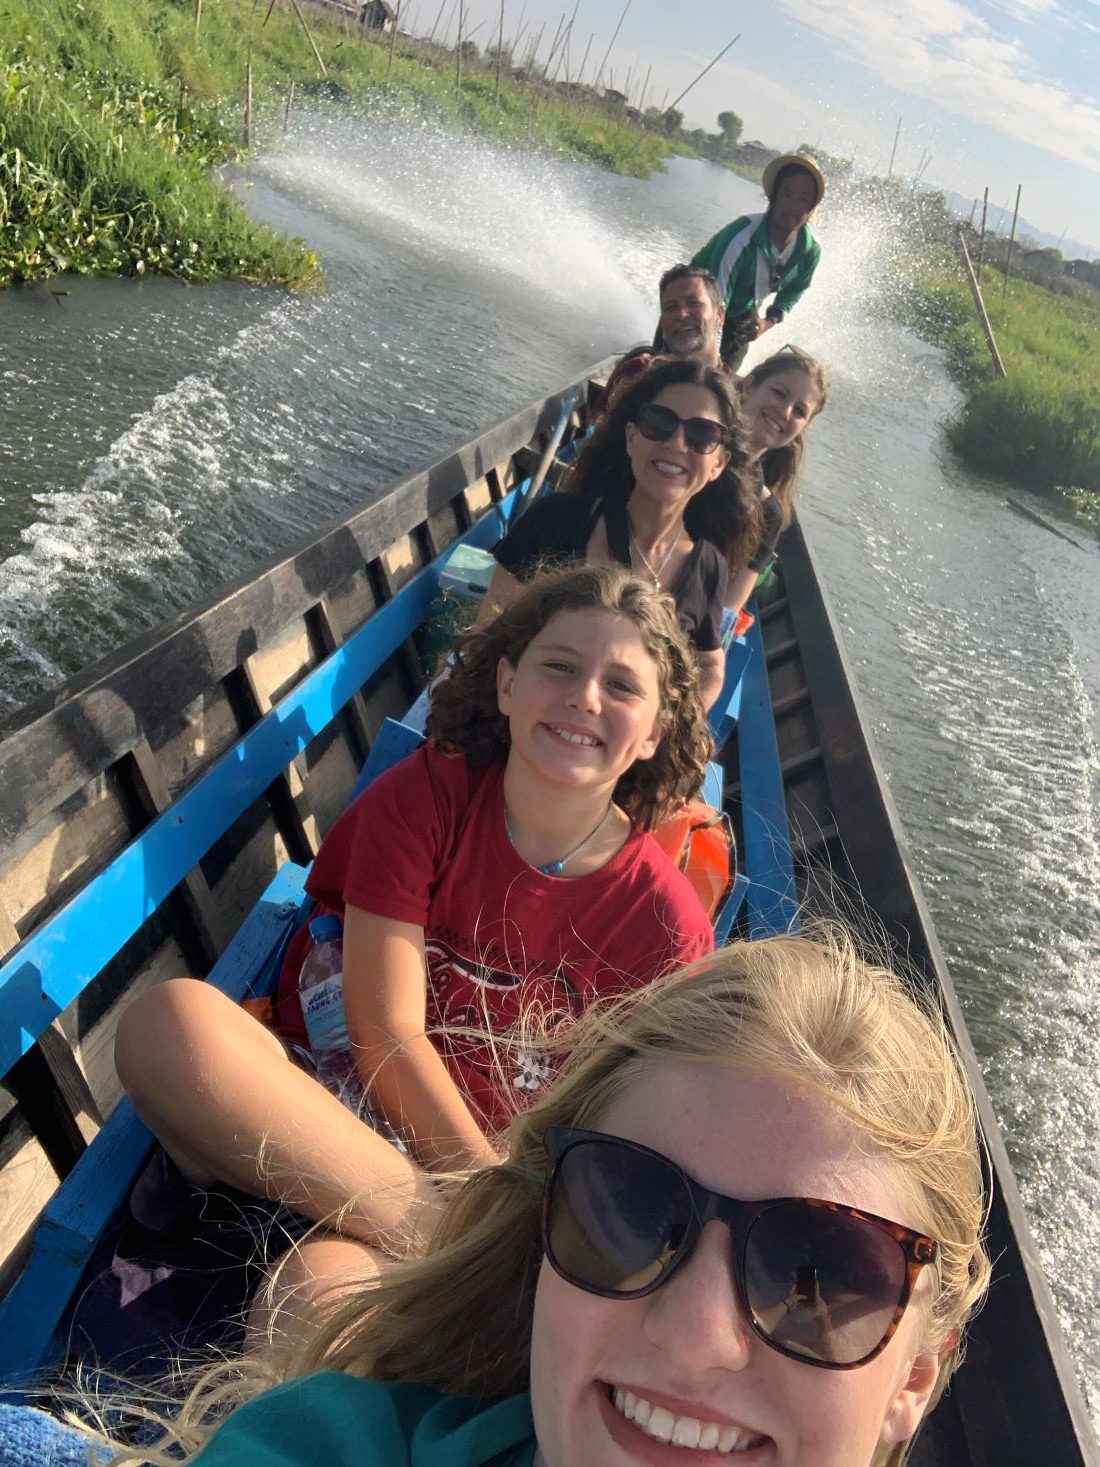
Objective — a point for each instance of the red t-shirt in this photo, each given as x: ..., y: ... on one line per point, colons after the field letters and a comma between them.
x: 427, y: 844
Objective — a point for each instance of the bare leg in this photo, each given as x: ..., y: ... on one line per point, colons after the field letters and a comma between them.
x: 320, y: 1271
x: 219, y: 1092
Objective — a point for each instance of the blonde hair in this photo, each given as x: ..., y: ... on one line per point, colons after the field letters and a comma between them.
x: 810, y: 1012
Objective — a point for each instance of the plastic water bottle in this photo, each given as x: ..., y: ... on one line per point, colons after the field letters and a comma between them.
x: 321, y: 990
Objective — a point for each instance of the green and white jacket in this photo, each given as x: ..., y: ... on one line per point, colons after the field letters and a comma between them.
x: 732, y: 255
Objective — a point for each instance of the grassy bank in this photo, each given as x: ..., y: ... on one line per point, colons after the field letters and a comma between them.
x: 114, y: 114
x: 1040, y: 426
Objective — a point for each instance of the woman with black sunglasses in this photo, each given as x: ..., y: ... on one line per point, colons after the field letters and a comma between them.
x: 745, y: 1221
x: 662, y: 486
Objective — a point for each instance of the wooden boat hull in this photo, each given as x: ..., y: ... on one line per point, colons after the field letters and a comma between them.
x: 273, y: 692
x: 1017, y: 1394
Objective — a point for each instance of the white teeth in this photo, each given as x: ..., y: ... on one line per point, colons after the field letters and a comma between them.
x: 686, y: 1432
x: 682, y: 1431
x: 574, y: 738
x: 661, y: 1424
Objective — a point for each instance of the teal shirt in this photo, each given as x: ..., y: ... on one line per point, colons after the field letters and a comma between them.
x: 333, y: 1420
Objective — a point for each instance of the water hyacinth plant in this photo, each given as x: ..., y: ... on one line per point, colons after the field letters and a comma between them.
x: 114, y: 115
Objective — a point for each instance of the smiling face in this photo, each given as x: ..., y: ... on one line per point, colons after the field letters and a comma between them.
x: 779, y: 407
x: 583, y: 702
x: 671, y: 473
x: 686, y: 1350
x: 690, y: 319
x: 792, y: 203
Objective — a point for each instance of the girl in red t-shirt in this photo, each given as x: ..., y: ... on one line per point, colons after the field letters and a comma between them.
x: 504, y: 868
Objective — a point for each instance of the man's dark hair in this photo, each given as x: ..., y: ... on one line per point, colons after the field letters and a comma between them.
x: 791, y: 170
x: 691, y: 272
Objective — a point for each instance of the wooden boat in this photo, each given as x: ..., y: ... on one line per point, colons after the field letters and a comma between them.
x: 157, y: 812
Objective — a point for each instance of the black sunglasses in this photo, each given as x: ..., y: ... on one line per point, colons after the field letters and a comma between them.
x: 659, y: 423
x: 819, y: 1281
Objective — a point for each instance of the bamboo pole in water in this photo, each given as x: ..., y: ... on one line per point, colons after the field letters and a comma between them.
x: 439, y: 17
x: 500, y: 53
x: 309, y: 37
x: 289, y: 105
x: 563, y: 52
x: 981, y: 241
x: 393, y: 39
x: 198, y: 14
x: 1012, y: 239
x: 248, y: 102
x: 702, y: 74
x: 584, y: 59
x: 614, y: 38
x: 894, y: 150
x: 645, y: 88
x: 976, y: 292
x: 458, y: 46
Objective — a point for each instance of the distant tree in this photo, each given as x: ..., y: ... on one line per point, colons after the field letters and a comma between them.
x: 730, y: 126
x: 672, y: 121
x: 470, y: 52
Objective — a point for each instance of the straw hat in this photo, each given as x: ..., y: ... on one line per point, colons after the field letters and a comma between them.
x: 800, y: 160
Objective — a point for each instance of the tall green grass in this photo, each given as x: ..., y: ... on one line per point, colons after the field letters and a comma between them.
x: 115, y: 113
x: 1040, y: 426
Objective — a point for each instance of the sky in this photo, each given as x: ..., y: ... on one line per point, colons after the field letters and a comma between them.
x: 998, y: 92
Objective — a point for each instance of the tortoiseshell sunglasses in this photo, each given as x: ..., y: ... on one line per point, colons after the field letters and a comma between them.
x: 819, y: 1281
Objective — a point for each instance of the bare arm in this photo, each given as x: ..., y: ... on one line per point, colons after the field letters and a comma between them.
x: 385, y: 996
x: 712, y: 674
x: 503, y: 589
x: 739, y: 587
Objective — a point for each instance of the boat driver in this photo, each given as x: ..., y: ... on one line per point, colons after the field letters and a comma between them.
x: 761, y: 256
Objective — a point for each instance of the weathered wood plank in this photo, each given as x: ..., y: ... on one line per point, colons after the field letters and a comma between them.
x: 54, y: 746
x: 74, y: 1220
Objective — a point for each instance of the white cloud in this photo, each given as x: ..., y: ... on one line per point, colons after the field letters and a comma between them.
x: 942, y: 50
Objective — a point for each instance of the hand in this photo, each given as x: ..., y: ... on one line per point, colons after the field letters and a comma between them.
x: 746, y: 329
x: 765, y: 325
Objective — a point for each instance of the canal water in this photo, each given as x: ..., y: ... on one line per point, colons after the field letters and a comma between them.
x: 157, y: 440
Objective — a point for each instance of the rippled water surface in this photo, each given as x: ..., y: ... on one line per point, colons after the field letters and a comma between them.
x: 156, y: 440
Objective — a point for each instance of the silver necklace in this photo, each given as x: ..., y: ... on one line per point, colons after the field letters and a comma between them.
x: 657, y: 572
x: 554, y: 868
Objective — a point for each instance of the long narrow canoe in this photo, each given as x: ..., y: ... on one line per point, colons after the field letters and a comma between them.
x: 156, y: 813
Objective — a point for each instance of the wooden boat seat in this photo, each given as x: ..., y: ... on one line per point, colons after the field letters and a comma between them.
x: 52, y: 968
x: 77, y: 1215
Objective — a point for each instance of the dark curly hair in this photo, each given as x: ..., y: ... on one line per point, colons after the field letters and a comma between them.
x: 727, y: 511
x: 465, y: 717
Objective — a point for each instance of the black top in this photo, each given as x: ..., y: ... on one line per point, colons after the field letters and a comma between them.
x: 558, y: 527
x: 773, y: 527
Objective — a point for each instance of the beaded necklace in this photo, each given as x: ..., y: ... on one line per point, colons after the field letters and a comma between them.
x: 554, y: 868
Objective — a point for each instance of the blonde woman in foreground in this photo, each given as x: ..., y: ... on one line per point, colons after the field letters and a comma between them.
x: 744, y: 1223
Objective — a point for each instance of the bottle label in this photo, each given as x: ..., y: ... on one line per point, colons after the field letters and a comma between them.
x: 323, y: 1011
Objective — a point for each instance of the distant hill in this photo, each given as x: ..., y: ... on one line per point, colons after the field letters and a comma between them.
x: 1000, y: 222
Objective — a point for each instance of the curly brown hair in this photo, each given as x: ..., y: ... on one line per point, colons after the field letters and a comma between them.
x: 727, y: 511
x: 465, y: 716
